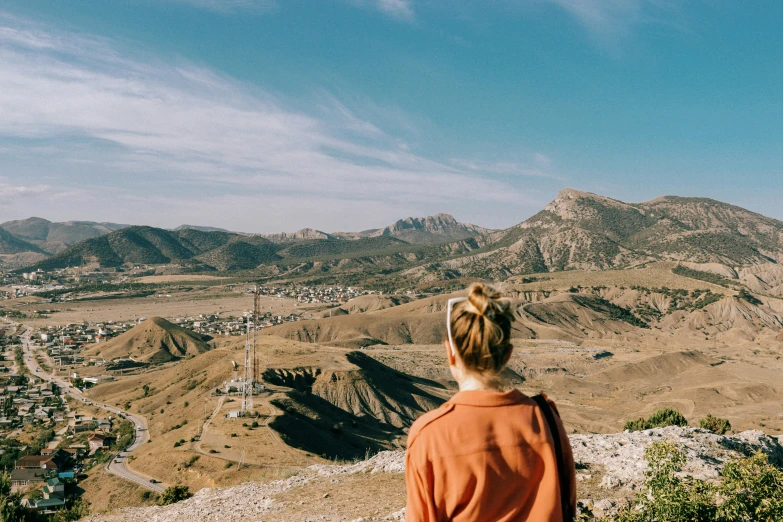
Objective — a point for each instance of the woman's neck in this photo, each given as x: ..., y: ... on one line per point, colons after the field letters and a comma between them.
x: 472, y: 382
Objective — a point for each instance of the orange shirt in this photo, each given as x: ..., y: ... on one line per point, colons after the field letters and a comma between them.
x: 485, y: 456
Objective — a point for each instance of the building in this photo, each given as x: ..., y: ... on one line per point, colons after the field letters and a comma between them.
x: 25, y: 477
x: 56, y: 462
x: 97, y: 441
x: 53, y: 497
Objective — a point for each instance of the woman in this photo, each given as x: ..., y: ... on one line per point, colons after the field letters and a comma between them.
x: 487, y: 454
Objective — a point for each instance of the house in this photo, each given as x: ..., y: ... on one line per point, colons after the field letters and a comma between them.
x: 53, y: 497
x: 54, y: 486
x: 24, y: 477
x: 54, y: 462
x: 80, y: 426
x: 97, y: 441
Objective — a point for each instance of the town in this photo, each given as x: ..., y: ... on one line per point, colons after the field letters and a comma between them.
x: 46, y: 440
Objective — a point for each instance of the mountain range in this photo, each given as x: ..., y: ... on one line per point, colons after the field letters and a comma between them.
x: 576, y: 231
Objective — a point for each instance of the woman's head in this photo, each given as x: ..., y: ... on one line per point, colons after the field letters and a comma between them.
x: 481, y: 330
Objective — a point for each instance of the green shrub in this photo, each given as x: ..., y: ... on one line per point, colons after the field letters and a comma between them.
x: 660, y: 419
x: 78, y: 510
x: 192, y: 460
x: 174, y: 494
x: 749, y: 490
x: 752, y: 489
x: 667, y: 496
x: 748, y: 297
x: 715, y: 424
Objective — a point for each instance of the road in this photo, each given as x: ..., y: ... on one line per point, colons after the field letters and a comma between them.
x: 116, y: 465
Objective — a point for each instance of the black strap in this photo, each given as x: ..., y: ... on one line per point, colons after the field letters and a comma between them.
x: 565, y: 483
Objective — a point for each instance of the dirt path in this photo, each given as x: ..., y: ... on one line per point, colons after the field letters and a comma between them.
x: 298, y: 457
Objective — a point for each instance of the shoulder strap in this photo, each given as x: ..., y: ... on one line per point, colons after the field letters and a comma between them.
x: 565, y: 484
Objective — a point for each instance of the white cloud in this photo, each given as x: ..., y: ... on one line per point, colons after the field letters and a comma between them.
x: 610, y: 21
x: 130, y: 125
x: 10, y: 191
x: 396, y: 8
x: 539, y: 167
x: 226, y: 6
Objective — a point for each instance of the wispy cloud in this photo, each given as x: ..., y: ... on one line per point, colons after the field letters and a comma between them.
x: 11, y: 191
x: 226, y: 6
x: 610, y: 21
x: 396, y: 8
x: 131, y: 125
x: 539, y: 166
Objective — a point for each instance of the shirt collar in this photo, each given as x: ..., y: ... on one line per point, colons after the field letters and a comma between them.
x: 487, y: 398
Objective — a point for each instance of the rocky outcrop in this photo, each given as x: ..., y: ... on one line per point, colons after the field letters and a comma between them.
x: 305, y: 233
x: 610, y: 469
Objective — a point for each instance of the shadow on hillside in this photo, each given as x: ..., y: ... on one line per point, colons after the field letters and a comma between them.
x: 315, y: 425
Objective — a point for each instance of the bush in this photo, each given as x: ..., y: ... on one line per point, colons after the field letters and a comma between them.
x: 192, y: 460
x: 715, y: 424
x: 660, y: 419
x: 79, y: 510
x: 748, y: 297
x: 667, y: 496
x: 174, y: 494
x: 750, y: 489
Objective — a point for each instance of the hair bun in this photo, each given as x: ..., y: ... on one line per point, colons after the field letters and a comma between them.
x: 481, y: 298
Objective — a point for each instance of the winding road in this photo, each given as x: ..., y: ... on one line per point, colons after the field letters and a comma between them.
x: 116, y: 465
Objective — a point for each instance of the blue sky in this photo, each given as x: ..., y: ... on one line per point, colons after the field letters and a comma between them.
x: 271, y: 115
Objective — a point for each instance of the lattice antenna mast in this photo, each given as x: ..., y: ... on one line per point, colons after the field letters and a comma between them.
x: 247, y: 385
x: 256, y: 319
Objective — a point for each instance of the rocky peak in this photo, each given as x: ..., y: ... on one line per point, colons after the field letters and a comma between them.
x: 302, y: 234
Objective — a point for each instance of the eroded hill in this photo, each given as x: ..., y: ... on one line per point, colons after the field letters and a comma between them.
x: 153, y: 341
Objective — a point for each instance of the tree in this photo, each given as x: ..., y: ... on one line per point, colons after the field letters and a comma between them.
x: 146, y: 389
x: 11, y: 509
x: 79, y: 510
x: 175, y: 494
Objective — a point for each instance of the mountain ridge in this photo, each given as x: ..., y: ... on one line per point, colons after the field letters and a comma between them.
x: 576, y: 231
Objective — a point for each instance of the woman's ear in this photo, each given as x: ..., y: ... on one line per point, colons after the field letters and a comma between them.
x: 449, y: 354
x: 508, y: 355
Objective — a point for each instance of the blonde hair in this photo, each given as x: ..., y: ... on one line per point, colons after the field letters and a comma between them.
x: 481, y: 329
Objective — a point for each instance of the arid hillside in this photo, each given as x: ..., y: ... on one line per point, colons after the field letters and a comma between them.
x: 154, y: 341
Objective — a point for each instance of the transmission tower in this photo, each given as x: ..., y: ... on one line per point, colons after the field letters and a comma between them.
x: 247, y: 384
x: 256, y: 319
